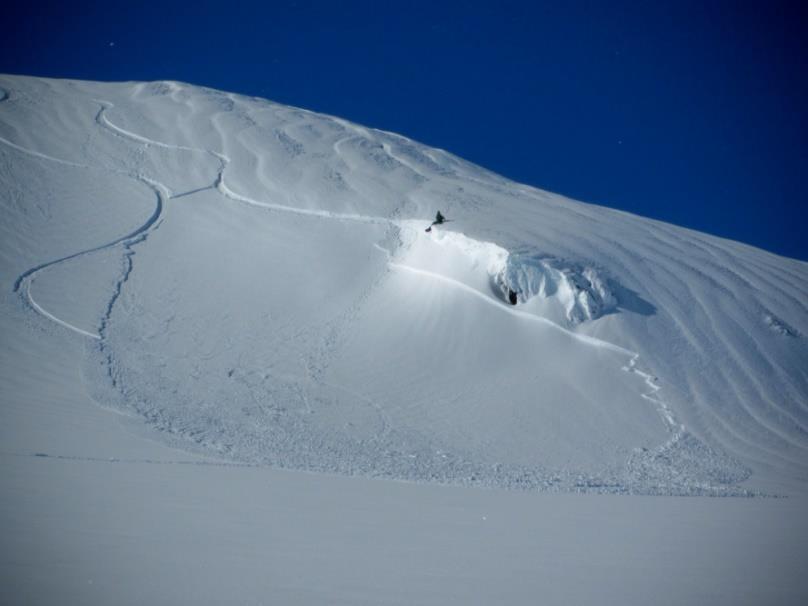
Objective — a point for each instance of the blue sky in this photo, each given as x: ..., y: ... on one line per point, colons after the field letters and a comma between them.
x: 688, y: 112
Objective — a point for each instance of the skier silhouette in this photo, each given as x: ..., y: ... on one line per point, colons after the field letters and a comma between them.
x: 439, y: 220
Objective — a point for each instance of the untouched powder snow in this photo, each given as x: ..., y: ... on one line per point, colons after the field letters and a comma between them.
x: 255, y: 281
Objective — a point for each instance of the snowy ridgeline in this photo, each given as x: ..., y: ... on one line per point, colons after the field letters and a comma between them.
x: 260, y: 287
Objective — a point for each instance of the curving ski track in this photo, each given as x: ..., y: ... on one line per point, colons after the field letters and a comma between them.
x: 162, y: 194
x: 25, y: 280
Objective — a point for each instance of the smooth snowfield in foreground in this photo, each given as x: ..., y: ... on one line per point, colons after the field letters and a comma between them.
x: 215, y: 308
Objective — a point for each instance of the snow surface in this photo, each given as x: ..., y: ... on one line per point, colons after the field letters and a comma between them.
x: 252, y: 284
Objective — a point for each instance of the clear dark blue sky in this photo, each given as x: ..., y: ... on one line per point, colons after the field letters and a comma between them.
x: 689, y: 112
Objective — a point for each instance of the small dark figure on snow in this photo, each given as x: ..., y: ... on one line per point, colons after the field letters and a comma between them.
x: 439, y: 220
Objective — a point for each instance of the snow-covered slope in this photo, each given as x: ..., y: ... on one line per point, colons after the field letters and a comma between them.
x: 255, y: 281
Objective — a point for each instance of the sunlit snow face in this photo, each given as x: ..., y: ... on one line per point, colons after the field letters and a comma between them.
x: 261, y: 286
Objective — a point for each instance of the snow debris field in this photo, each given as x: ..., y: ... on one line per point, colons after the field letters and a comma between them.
x: 254, y: 281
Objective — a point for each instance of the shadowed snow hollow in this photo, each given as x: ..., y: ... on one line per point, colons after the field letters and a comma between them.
x: 254, y: 280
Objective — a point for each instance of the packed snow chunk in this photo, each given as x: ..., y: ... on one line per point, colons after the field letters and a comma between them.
x: 581, y: 291
x: 779, y: 326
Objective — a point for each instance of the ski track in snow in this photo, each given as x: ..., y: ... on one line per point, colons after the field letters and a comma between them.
x: 45, y: 455
x: 24, y: 281
x: 163, y: 194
